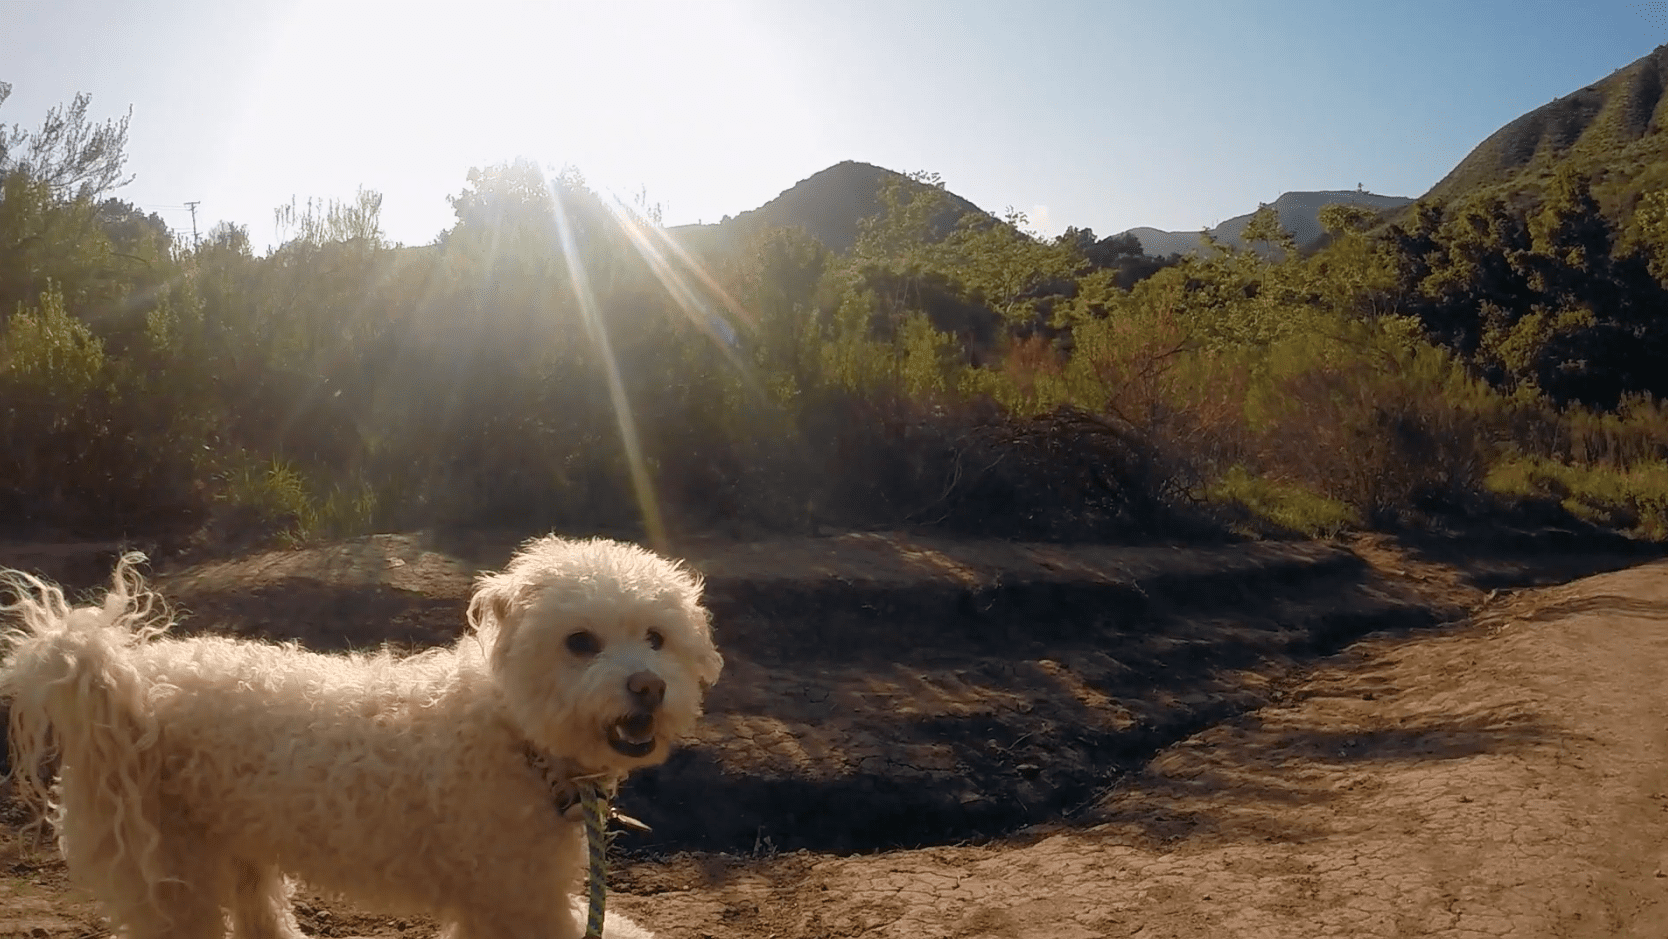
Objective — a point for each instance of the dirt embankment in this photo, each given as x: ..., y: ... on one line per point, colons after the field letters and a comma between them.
x: 886, y: 692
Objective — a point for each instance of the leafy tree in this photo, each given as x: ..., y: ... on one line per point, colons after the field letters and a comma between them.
x: 911, y: 218
x: 106, y: 260
x: 132, y: 232
x: 71, y: 154
x: 319, y: 222
x: 1120, y: 254
x: 1646, y: 237
x: 52, y: 368
x: 1354, y: 274
x: 1339, y: 218
x: 1538, y: 294
x: 1264, y: 228
x: 1570, y: 241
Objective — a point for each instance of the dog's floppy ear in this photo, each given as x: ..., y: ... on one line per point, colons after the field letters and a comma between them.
x: 710, y: 662
x: 490, y: 602
x: 708, y: 668
x: 498, y: 601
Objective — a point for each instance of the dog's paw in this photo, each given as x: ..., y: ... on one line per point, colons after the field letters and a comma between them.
x: 615, y: 926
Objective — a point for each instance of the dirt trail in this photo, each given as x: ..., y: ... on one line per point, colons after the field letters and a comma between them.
x: 888, y: 690
x: 1507, y: 778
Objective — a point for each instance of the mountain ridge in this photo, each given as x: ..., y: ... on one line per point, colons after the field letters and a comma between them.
x: 1611, y: 129
x: 1613, y: 125
x: 830, y: 205
x: 1299, y: 213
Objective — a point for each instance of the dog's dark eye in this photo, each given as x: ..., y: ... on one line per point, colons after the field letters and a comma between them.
x: 584, y: 643
x: 656, y: 640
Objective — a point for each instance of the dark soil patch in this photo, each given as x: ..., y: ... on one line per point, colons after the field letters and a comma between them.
x: 994, y: 717
x: 1494, y: 556
x: 891, y: 690
x: 326, y: 617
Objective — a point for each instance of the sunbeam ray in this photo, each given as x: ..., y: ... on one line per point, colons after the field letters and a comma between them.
x: 695, y: 307
x: 689, y: 263
x: 580, y: 282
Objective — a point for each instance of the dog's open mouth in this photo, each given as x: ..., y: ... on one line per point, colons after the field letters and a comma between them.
x: 633, y: 735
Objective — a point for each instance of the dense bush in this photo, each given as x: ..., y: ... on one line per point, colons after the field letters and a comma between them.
x: 557, y: 360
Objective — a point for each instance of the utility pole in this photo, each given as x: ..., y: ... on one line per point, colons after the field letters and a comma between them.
x: 193, y: 207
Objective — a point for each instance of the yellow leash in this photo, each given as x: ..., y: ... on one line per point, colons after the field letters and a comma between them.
x: 593, y: 794
x: 595, y: 805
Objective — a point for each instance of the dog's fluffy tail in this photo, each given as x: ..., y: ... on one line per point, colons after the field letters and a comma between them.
x: 79, y: 711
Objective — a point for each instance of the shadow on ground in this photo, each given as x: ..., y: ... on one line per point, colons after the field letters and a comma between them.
x: 1238, y: 783
x: 891, y: 690
x: 1492, y: 556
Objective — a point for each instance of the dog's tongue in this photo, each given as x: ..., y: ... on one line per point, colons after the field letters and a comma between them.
x: 637, y: 727
x: 633, y: 736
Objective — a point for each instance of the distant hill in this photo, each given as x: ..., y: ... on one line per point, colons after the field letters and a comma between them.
x: 1611, y: 129
x: 832, y: 203
x: 1299, y: 214
x: 829, y: 205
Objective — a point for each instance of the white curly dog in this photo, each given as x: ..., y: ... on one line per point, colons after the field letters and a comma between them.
x: 196, y: 776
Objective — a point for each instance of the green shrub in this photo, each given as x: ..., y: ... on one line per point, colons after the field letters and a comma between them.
x: 54, y: 379
x: 965, y: 375
x: 279, y: 502
x: 1282, y: 505
x: 1375, y: 421
x: 1632, y: 499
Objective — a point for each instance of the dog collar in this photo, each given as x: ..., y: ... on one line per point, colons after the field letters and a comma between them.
x: 566, y: 784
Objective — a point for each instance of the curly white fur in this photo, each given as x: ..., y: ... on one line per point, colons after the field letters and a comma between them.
x: 195, y: 776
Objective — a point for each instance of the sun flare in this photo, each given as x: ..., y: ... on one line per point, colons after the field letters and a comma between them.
x: 434, y: 88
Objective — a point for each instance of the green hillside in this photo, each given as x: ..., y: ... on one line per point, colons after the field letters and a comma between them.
x: 1610, y: 131
x: 830, y: 205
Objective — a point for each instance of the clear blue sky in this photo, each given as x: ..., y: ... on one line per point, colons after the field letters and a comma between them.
x: 1103, y: 114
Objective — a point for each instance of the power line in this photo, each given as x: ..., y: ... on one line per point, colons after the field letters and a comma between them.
x: 193, y: 207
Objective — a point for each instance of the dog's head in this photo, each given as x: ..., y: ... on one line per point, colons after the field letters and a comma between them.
x: 602, y: 649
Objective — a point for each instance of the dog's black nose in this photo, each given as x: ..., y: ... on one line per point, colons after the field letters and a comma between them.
x: 647, y: 687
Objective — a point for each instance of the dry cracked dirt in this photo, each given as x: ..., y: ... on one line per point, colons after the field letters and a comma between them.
x: 926, y: 738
